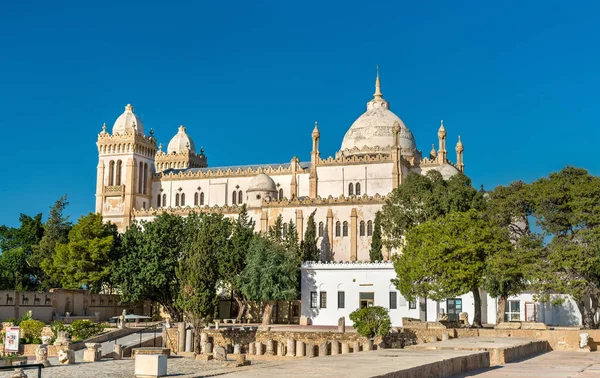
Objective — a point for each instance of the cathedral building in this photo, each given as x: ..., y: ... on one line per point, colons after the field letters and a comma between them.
x: 136, y: 179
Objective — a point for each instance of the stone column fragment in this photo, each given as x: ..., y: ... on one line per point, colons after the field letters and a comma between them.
x: 335, y: 347
x: 291, y: 348
x: 323, y: 349
x: 259, y: 348
x: 345, y: 348
x: 299, y: 348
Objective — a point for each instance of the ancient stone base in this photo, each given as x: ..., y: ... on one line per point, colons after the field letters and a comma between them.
x: 204, y: 357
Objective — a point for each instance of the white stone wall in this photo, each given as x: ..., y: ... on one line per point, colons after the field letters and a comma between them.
x: 352, y: 278
x: 373, y: 179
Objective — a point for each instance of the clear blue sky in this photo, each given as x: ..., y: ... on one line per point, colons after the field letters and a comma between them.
x: 517, y: 80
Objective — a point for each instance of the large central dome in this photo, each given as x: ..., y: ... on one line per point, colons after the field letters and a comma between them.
x: 372, y: 131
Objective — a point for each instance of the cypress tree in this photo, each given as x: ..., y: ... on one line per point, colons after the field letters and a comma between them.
x: 375, y: 253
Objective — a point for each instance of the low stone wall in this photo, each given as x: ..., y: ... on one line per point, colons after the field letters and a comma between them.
x: 446, y: 368
x: 558, y: 339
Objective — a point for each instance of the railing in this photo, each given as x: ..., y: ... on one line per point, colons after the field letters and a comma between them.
x: 113, y: 189
x: 26, y: 366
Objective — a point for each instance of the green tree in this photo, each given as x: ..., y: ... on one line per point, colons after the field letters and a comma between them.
x: 16, y: 248
x: 446, y: 257
x: 308, y: 247
x: 422, y: 198
x: 198, y: 271
x: 270, y: 275
x: 567, y: 209
x: 149, y: 254
x: 56, y: 231
x: 232, y: 261
x: 276, y: 230
x: 375, y: 253
x: 508, y: 271
x: 87, y: 259
x: 371, y: 321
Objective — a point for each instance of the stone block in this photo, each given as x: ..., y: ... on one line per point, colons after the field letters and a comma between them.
x: 291, y: 348
x: 299, y: 348
x: 342, y: 324
x: 356, y: 347
x: 280, y: 348
x: 305, y: 321
x: 240, y: 359
x: 533, y: 326
x: 432, y: 339
x: 204, y: 357
x: 252, y: 348
x: 259, y: 348
x: 237, y: 349
x: 150, y: 365
x: 445, y: 336
x: 220, y: 353
x: 270, y: 349
x: 310, y: 350
x: 323, y: 349
x: 345, y: 348
x: 335, y: 347
x: 66, y: 356
x: 508, y: 325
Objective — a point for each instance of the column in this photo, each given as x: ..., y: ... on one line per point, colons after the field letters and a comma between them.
x: 299, y: 348
x: 291, y: 348
x: 264, y: 222
x: 335, y: 347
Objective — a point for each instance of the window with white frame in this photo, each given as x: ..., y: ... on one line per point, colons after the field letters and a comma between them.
x: 512, y: 311
x: 313, y: 299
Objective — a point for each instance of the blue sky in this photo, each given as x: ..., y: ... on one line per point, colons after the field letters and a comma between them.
x: 517, y: 80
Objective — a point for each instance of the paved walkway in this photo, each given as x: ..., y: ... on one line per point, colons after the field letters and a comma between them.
x: 549, y: 365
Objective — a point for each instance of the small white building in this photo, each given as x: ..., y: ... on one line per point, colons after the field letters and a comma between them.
x: 335, y: 289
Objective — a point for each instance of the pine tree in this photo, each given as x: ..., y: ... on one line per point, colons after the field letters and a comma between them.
x: 375, y: 253
x: 310, y: 252
x: 292, y: 242
x: 276, y: 230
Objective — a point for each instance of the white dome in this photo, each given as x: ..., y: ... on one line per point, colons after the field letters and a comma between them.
x: 446, y: 170
x: 373, y: 130
x: 128, y: 122
x: 262, y: 183
x: 181, y: 142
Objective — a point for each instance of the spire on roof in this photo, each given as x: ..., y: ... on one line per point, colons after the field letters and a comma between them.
x: 378, y: 95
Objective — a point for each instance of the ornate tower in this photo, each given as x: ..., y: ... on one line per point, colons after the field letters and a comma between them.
x: 125, y: 169
x: 314, y: 161
x: 181, y: 153
x: 459, y: 156
x: 396, y: 157
x: 442, y: 153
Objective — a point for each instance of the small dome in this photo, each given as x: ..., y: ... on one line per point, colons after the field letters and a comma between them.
x: 128, y: 122
x: 262, y: 183
x: 374, y: 129
x: 446, y: 170
x: 181, y: 142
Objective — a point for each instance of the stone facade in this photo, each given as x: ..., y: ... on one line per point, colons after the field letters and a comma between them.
x: 137, y: 180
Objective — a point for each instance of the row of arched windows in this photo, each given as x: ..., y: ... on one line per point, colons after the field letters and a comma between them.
x: 341, y: 229
x: 354, y: 189
x: 161, y: 199
x: 143, y: 178
x: 237, y: 197
x: 114, y: 172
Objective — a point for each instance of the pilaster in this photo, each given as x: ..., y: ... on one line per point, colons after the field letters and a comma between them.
x: 100, y: 186
x: 264, y: 222
x: 353, y: 233
x: 330, y: 230
x: 300, y: 224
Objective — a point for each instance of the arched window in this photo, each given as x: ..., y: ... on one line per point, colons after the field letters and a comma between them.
x: 337, y: 229
x: 357, y: 188
x: 111, y: 173
x: 177, y: 199
x: 240, y: 197
x: 202, y: 198
x: 182, y: 199
x: 196, y: 199
x: 234, y: 198
x: 164, y: 201
x: 350, y: 189
x: 158, y: 201
x: 285, y: 230
x: 145, y: 183
x: 345, y: 229
x: 140, y: 177
x: 320, y: 229
x: 361, y: 228
x: 280, y: 194
x: 118, y: 175
x: 369, y: 228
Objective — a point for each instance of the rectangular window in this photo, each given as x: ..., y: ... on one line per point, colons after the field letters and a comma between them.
x: 453, y: 308
x: 412, y: 305
x: 323, y: 299
x: 512, y: 311
x: 313, y: 299
x: 393, y: 303
x: 366, y: 300
x: 341, y: 299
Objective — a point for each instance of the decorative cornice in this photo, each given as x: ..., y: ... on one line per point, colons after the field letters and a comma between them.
x: 377, y: 199
x: 126, y: 143
x: 348, y: 265
x: 229, y: 172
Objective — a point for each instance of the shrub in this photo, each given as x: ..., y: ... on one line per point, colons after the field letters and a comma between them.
x: 371, y: 321
x: 84, y: 329
x: 31, y: 330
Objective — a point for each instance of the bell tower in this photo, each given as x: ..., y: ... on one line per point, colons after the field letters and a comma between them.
x: 125, y: 169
